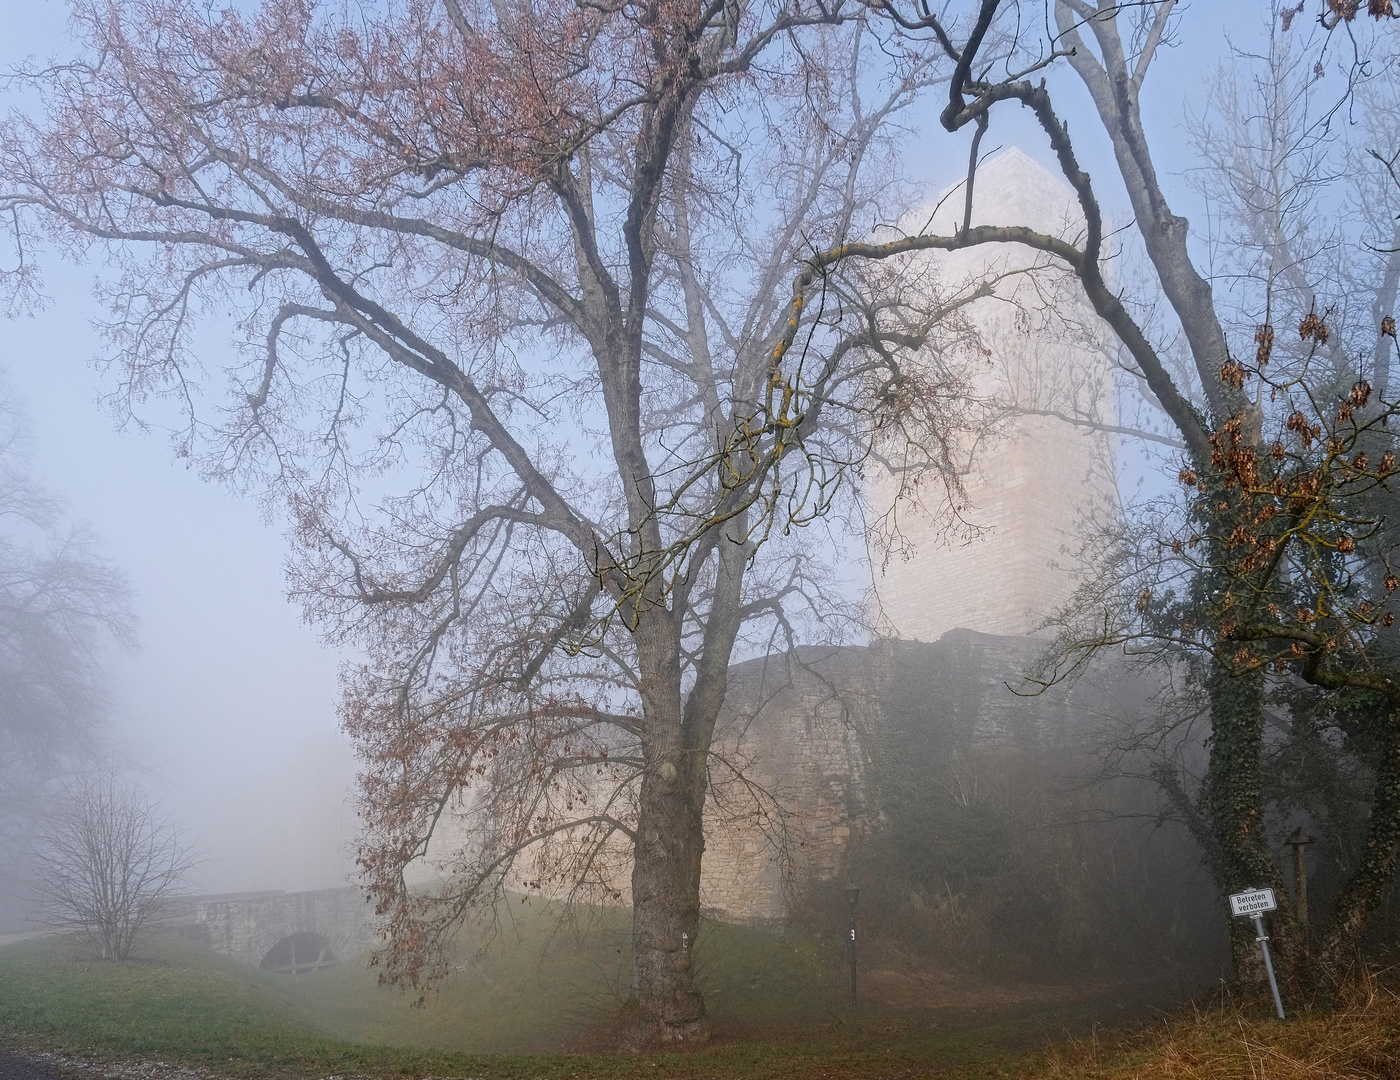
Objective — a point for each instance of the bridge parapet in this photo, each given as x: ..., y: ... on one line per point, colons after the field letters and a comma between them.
x: 246, y: 926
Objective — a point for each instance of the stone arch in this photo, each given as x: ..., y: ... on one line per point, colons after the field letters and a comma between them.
x: 300, y: 953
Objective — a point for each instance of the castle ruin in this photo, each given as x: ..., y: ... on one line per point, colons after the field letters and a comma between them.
x: 964, y: 596
x: 1041, y: 480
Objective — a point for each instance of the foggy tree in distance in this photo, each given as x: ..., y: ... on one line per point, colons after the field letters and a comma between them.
x: 60, y: 605
x: 1227, y: 425
x: 108, y: 861
x: 550, y: 335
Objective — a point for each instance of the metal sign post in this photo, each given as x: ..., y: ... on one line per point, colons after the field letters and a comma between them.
x: 1253, y: 904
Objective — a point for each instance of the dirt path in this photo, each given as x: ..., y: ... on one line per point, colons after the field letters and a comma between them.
x: 43, y: 1065
x: 14, y: 1067
x: 24, y: 935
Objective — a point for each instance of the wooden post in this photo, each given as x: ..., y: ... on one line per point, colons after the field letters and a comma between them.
x: 1297, y: 842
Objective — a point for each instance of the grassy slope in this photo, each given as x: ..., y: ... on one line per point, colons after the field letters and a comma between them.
x: 54, y: 996
x: 538, y: 989
x: 180, y: 1003
x: 776, y: 999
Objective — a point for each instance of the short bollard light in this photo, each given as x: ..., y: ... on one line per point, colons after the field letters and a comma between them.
x: 1253, y: 904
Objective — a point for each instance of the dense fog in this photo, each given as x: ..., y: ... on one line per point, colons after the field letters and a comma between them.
x: 985, y: 817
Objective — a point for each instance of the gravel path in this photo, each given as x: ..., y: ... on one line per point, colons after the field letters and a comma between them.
x: 13, y: 1067
x: 47, y: 1066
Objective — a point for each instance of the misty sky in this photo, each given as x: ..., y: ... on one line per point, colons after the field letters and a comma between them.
x: 229, y: 705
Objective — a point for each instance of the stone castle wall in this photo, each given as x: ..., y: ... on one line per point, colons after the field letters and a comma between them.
x: 787, y: 780
x: 804, y: 730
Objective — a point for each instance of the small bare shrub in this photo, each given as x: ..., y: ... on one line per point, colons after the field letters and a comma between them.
x: 108, y: 860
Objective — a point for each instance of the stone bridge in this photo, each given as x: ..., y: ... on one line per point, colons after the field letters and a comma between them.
x: 282, y: 931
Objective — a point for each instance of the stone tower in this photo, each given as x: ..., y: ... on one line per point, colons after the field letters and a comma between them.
x: 1042, y: 478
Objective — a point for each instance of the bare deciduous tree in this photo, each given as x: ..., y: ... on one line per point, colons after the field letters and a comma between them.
x: 108, y: 861
x: 522, y: 347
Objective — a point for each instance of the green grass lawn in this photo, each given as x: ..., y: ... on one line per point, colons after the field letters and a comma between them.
x: 525, y: 1007
x: 539, y: 989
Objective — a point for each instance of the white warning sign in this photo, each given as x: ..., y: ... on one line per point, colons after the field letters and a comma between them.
x: 1254, y: 902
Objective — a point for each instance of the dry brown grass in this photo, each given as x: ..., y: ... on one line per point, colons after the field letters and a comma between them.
x: 1360, y: 1039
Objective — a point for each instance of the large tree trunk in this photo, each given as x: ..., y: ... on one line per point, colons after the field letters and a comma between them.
x: 1232, y: 803
x: 1365, y: 889
x: 666, y: 899
x: 678, y: 730
x: 670, y: 841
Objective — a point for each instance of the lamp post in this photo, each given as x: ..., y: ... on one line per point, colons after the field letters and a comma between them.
x: 852, y: 898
